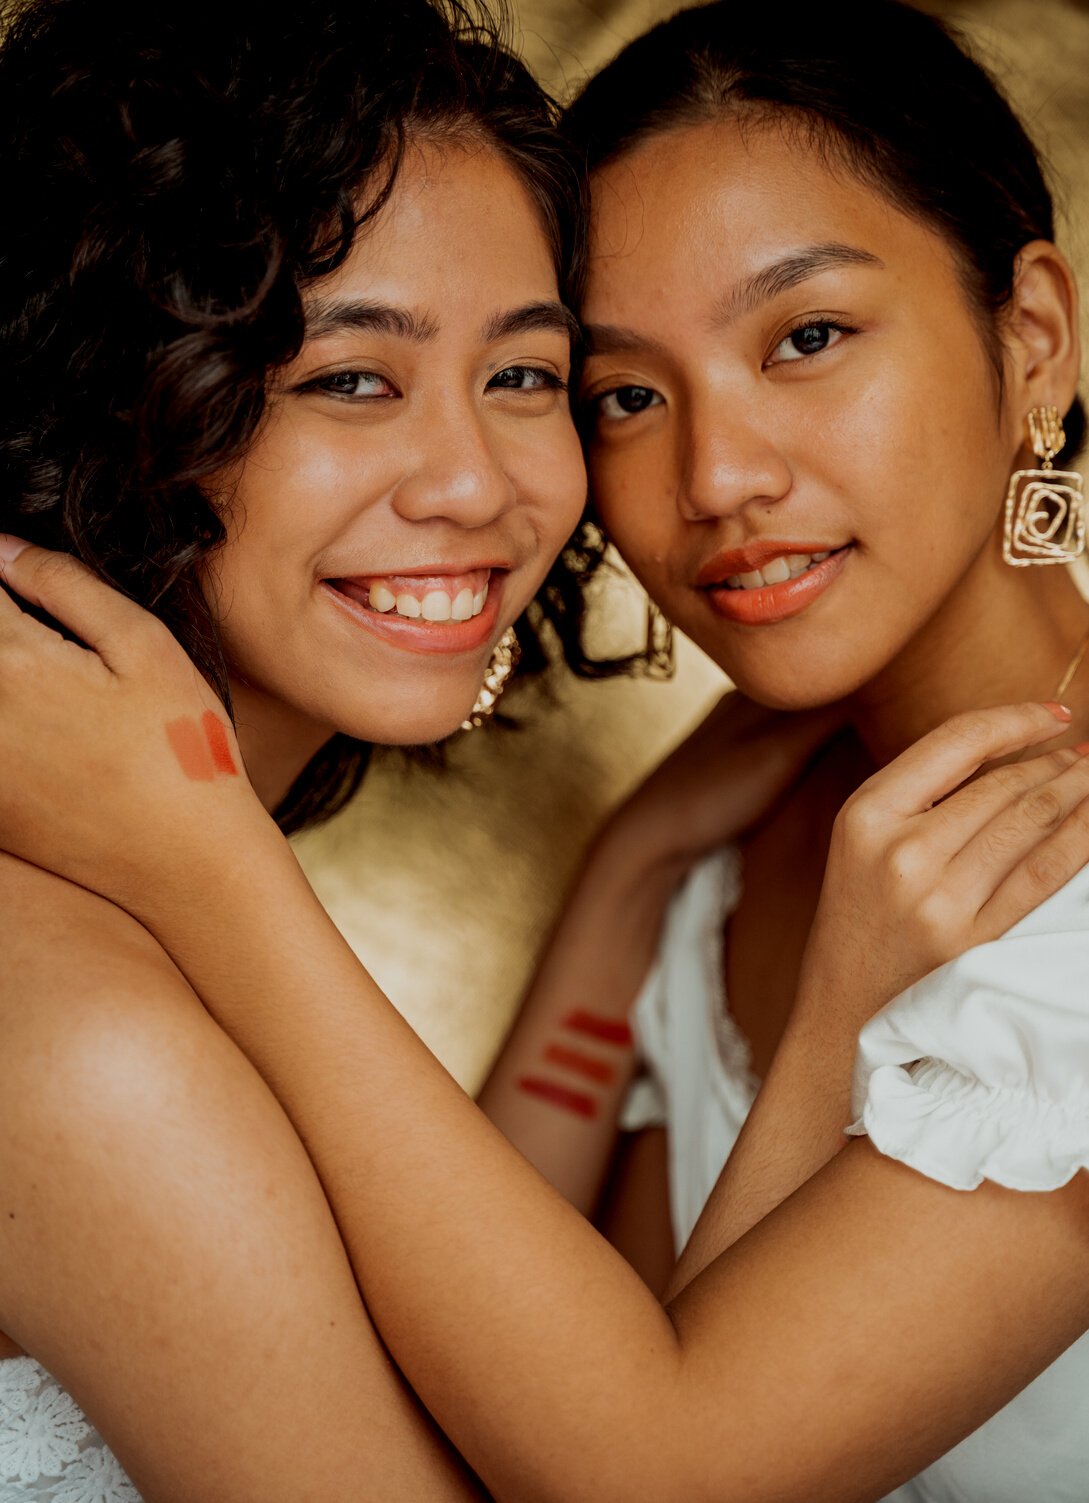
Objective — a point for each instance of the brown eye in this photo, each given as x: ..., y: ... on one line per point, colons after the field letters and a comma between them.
x: 526, y: 378
x: 353, y: 385
x: 627, y: 401
x: 811, y: 340
x: 807, y: 340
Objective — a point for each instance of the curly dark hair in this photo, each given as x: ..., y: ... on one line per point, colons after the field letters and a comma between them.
x: 174, y: 176
x: 891, y: 91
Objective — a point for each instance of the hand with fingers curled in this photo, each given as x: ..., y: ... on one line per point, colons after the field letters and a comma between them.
x: 116, y: 756
x: 938, y: 852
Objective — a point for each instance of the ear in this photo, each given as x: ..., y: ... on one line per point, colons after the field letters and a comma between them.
x: 1042, y: 330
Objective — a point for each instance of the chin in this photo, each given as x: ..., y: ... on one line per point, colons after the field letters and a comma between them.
x: 798, y: 688
x: 407, y: 724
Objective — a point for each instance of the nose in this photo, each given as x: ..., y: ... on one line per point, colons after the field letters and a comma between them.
x: 456, y: 470
x: 729, y: 460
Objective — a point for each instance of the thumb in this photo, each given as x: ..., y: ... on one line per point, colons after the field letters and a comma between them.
x: 109, y: 623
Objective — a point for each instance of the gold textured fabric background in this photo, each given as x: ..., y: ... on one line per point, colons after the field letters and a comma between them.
x: 446, y: 883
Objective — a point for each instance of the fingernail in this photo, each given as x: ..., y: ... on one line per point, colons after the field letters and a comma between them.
x: 1082, y: 748
x: 1060, y: 712
x: 10, y: 548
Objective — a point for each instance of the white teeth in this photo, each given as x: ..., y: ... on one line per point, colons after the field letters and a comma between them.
x: 776, y: 571
x: 461, y: 609
x: 436, y: 606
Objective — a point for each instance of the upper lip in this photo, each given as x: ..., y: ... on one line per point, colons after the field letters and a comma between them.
x: 754, y: 555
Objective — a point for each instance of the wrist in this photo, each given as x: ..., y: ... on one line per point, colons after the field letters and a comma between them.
x: 625, y: 871
x: 200, y: 866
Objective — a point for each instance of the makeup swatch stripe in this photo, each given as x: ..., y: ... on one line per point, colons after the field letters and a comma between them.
x: 608, y: 1030
x: 191, y: 749
x: 580, y: 1064
x: 218, y: 744
x: 559, y: 1095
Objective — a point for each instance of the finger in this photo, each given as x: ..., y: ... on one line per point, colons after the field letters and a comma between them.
x: 66, y: 589
x: 950, y: 825
x: 949, y: 755
x: 1017, y: 836
x: 1041, y: 873
x: 18, y: 625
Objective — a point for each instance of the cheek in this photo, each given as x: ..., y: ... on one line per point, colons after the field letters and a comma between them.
x: 550, y: 472
x: 633, y: 498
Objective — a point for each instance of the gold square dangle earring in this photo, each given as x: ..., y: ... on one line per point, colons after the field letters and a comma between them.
x: 1045, y: 508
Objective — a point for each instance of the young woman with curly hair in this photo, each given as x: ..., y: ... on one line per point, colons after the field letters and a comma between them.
x: 800, y: 350
x: 286, y: 342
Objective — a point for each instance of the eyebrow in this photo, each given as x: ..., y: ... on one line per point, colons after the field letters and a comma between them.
x: 745, y: 297
x: 788, y: 271
x: 359, y: 315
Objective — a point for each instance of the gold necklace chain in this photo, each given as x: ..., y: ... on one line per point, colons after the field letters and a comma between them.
x: 1072, y: 667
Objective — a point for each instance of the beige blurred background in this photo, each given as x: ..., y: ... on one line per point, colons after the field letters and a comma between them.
x: 446, y: 883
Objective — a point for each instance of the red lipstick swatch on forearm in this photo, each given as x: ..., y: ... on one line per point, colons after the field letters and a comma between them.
x: 608, y: 1030
x: 559, y: 1095
x: 611, y: 1031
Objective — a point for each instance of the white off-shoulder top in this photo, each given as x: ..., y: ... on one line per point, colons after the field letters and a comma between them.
x: 980, y: 1071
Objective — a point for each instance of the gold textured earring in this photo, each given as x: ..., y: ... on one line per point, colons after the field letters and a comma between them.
x: 504, y: 662
x: 1045, y: 508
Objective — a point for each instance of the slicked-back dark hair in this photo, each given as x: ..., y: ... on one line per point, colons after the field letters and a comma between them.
x: 886, y: 90
x: 174, y: 174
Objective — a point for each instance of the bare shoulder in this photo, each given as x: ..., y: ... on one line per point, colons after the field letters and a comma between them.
x: 66, y: 948
x: 90, y: 1004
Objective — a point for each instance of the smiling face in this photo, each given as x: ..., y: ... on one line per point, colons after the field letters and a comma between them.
x: 797, y: 439
x: 416, y: 474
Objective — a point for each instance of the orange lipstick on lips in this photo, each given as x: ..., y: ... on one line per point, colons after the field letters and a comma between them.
x: 800, y: 572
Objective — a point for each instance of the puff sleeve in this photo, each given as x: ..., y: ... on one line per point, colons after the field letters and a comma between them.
x: 981, y: 1070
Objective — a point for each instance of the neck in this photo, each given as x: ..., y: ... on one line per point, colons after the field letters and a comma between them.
x: 1005, y: 635
x: 276, y: 741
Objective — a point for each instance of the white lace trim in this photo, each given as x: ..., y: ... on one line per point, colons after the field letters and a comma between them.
x: 49, y: 1451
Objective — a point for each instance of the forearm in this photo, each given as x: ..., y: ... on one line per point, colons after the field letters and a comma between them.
x: 797, y: 1123
x: 559, y: 1082
x: 795, y: 1127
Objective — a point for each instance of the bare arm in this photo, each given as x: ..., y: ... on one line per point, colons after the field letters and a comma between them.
x: 165, y: 1247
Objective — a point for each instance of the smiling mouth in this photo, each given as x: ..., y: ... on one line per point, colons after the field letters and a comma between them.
x: 775, y: 571
x: 435, y: 598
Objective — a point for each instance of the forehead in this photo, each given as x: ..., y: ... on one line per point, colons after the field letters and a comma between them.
x: 459, y: 227
x: 694, y: 209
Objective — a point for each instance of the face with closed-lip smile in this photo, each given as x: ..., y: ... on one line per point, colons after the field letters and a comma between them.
x: 798, y: 437
x: 416, y: 475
